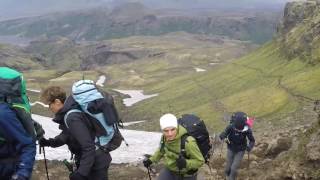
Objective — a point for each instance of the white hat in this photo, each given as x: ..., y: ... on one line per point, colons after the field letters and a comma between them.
x: 168, y: 120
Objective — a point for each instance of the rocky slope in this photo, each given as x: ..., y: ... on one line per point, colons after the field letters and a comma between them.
x: 300, y: 31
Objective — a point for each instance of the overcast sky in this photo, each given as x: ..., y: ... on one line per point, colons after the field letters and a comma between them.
x: 14, y: 8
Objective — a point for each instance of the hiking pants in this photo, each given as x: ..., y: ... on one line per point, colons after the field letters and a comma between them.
x: 101, y: 174
x: 6, y: 170
x: 233, y: 163
x: 99, y: 171
x: 166, y: 174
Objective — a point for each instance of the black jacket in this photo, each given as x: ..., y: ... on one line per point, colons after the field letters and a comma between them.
x: 79, y: 138
x: 237, y: 141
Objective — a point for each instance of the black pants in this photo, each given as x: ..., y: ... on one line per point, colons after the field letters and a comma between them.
x: 166, y: 174
x: 6, y: 170
x: 99, y: 170
x: 101, y: 174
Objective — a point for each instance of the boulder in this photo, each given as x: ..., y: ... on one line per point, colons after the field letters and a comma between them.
x: 260, y: 150
x: 313, y: 148
x: 278, y: 145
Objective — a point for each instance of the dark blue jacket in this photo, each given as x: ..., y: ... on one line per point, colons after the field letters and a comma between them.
x: 237, y: 141
x: 18, y: 145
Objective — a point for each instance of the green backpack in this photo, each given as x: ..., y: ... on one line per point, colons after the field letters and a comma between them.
x: 13, y: 92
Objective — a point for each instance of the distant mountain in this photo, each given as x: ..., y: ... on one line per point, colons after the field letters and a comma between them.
x: 17, y: 8
x: 131, y: 19
x: 211, y: 4
x: 10, y: 9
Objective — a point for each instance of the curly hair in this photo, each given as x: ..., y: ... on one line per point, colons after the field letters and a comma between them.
x: 50, y: 94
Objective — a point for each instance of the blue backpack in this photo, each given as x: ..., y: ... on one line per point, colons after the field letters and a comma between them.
x: 99, y: 108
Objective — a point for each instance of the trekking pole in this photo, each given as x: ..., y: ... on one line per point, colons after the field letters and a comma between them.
x: 149, y: 173
x: 221, y: 149
x: 248, y: 167
x: 45, y: 162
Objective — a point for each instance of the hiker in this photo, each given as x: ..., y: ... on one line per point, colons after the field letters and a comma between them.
x: 176, y: 165
x: 17, y: 144
x: 235, y: 135
x: 91, y: 162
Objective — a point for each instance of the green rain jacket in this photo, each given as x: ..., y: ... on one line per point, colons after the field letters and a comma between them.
x: 171, y: 152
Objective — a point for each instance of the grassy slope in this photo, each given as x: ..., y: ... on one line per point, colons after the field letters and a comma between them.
x: 15, y: 57
x: 263, y: 83
x: 250, y: 84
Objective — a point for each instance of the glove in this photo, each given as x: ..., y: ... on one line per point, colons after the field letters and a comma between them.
x: 76, y: 176
x: 147, y: 162
x: 249, y: 148
x: 44, y: 142
x: 18, y: 177
x: 181, y: 162
x: 39, y: 130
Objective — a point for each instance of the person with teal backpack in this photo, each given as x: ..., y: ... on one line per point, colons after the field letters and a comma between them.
x: 17, y: 129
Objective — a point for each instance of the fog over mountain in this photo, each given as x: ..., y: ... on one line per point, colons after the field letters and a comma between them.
x: 18, y: 8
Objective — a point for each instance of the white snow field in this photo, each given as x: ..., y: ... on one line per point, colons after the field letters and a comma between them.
x: 140, y: 143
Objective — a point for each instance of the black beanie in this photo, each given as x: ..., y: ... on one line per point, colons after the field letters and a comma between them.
x: 239, y: 120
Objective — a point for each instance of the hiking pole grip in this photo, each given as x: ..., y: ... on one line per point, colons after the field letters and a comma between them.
x: 39, y: 149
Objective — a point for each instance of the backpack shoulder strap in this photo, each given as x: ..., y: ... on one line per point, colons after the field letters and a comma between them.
x: 2, y: 139
x: 162, y: 144
x: 183, y: 145
x: 67, y: 114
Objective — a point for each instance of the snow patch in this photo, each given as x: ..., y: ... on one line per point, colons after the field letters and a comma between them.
x: 131, y: 123
x: 66, y: 26
x: 34, y: 90
x: 212, y: 64
x: 200, y: 70
x: 135, y: 96
x: 40, y: 103
x: 140, y: 143
x: 101, y: 81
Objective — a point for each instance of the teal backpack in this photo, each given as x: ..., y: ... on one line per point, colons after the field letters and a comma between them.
x: 100, y: 109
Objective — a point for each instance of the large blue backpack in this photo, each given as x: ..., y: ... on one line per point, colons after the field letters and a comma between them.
x: 100, y: 109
